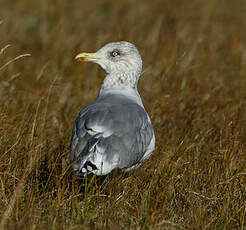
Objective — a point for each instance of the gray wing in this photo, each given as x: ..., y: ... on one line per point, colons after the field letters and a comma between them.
x: 110, y: 135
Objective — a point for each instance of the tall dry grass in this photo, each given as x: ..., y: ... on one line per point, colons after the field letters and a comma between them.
x: 193, y: 86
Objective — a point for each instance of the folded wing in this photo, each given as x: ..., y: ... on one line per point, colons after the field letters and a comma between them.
x: 110, y: 134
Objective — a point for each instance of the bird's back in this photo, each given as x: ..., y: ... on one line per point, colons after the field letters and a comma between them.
x: 113, y: 131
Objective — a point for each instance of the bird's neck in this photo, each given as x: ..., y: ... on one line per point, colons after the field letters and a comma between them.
x: 122, y: 80
x: 126, y: 92
x: 113, y: 86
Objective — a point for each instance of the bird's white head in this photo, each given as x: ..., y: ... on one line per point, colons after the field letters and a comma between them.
x: 121, y: 62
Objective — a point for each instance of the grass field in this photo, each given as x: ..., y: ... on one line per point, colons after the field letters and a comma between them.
x: 193, y: 86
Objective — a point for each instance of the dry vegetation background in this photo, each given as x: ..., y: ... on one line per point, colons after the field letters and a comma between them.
x: 193, y: 86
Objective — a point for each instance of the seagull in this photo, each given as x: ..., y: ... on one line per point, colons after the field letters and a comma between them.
x: 114, y: 131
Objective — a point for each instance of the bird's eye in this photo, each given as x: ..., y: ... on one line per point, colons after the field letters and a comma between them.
x: 115, y: 53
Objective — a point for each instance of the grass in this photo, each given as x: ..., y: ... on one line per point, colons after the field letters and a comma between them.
x: 193, y: 86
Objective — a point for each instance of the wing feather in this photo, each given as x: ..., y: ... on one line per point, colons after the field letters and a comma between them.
x: 119, y: 132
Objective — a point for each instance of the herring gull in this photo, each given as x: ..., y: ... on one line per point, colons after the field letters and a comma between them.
x: 114, y: 131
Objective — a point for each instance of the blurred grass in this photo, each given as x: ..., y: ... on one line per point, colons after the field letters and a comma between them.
x: 193, y: 86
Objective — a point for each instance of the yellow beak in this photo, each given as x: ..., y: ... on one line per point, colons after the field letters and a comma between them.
x: 84, y: 57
